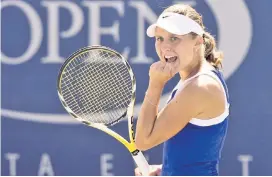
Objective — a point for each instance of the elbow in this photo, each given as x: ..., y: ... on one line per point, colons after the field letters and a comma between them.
x: 142, y: 144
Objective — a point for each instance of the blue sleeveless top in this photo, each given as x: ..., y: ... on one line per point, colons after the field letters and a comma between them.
x: 196, y: 149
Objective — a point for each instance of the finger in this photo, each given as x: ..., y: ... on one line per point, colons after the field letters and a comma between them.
x: 173, y: 68
x: 159, y: 67
x: 157, y: 172
x: 167, y: 69
x: 176, y: 65
x: 137, y: 172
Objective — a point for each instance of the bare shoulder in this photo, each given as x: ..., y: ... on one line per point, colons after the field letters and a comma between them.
x: 208, y: 85
x: 207, y: 94
x: 203, y: 85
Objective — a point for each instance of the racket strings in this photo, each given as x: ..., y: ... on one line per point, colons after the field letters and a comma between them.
x: 95, y: 108
x: 106, y: 80
x: 84, y: 100
x: 101, y: 86
x: 98, y: 109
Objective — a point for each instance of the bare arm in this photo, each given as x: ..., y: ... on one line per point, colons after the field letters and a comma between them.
x: 189, y: 103
x: 148, y: 112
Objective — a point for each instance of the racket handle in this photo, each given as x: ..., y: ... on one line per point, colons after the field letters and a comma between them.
x: 141, y: 162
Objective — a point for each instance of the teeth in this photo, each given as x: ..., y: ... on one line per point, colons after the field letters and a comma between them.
x: 168, y: 57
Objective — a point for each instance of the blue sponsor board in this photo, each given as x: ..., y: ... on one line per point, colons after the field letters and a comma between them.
x: 40, y: 138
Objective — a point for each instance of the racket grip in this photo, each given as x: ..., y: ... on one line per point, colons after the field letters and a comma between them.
x: 141, y: 162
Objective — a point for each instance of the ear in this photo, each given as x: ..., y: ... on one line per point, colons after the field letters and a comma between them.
x: 199, y: 40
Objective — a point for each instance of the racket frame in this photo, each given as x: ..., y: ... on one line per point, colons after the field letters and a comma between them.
x: 131, y: 146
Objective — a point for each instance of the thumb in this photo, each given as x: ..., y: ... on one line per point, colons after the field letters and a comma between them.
x: 137, y: 172
x: 155, y: 172
x: 174, y: 67
x: 171, y: 68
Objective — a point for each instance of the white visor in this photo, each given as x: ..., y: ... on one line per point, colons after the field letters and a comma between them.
x: 176, y: 24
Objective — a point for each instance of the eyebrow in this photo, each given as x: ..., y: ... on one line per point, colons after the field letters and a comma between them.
x: 156, y: 36
x: 175, y: 35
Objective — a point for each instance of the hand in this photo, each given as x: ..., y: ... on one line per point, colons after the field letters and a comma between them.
x: 160, y: 72
x: 155, y: 170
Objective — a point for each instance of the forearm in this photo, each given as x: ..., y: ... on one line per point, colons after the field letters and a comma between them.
x: 147, y: 115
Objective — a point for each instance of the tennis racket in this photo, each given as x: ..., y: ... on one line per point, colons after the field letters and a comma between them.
x: 96, y: 85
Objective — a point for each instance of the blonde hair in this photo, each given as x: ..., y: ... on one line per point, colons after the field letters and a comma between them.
x: 212, y: 55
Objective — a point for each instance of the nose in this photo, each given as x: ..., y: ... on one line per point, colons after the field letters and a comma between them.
x: 165, y: 47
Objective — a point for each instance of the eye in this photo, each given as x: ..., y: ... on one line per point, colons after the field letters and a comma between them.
x: 173, y: 38
x: 159, y: 38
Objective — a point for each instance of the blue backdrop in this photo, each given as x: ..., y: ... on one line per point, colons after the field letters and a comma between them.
x: 40, y: 138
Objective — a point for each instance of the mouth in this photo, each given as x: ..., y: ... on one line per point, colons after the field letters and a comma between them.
x: 170, y: 59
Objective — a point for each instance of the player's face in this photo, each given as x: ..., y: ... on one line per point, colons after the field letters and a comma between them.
x: 175, y: 48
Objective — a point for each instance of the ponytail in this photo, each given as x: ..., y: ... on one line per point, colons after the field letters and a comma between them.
x: 212, y: 55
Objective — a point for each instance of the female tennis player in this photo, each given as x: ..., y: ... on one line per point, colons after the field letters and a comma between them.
x: 193, y: 123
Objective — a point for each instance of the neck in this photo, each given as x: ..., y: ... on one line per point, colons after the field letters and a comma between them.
x: 191, y: 70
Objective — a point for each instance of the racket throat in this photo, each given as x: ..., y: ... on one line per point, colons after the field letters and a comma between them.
x: 131, y: 130
x: 135, y: 152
